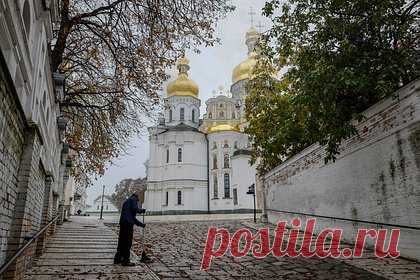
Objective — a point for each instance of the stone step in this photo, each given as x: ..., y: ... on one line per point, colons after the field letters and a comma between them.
x: 67, y: 255
x: 99, y: 247
x: 78, y: 250
x: 72, y: 262
x: 108, y: 269
x: 72, y: 241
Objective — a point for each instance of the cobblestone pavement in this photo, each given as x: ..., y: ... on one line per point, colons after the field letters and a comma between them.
x: 177, y: 250
x: 83, y: 250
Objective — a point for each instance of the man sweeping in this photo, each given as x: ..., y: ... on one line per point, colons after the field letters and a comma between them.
x: 127, y: 221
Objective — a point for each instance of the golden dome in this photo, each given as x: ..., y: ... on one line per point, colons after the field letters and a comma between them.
x: 222, y: 127
x: 244, y: 69
x: 183, y: 86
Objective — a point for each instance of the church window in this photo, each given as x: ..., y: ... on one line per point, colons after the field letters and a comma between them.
x: 226, y: 161
x: 182, y: 114
x: 210, y: 115
x: 215, y: 187
x: 179, y: 154
x: 214, y: 161
x: 179, y: 198
x: 235, y: 196
x: 193, y: 115
x: 227, y: 185
x: 167, y: 155
x: 226, y: 145
x: 167, y: 199
x: 221, y: 115
x: 170, y: 115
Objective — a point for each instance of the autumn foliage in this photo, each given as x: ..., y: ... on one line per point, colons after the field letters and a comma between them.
x: 114, y: 55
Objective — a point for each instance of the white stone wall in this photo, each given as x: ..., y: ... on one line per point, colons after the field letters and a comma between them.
x: 193, y: 197
x: 188, y: 176
x: 188, y: 103
x: 29, y: 111
x: 375, y: 178
x: 222, y: 143
x: 243, y: 176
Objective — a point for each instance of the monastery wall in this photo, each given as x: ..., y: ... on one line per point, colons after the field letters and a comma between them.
x: 376, y: 177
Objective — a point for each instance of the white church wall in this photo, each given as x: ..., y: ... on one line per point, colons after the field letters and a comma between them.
x: 188, y: 103
x: 234, y: 140
x: 375, y: 178
x: 194, y: 157
x: 193, y: 197
x: 243, y: 176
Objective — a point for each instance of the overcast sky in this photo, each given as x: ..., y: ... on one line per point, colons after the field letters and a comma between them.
x: 209, y: 69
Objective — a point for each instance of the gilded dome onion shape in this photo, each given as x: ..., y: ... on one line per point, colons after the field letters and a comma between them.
x: 245, y: 68
x: 223, y: 127
x: 183, y: 85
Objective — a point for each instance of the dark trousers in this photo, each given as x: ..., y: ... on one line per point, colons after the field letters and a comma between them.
x: 125, y: 240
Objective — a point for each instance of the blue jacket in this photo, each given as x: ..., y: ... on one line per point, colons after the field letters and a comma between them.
x: 129, y: 210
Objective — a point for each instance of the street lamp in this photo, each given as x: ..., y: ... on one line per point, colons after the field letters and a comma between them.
x: 251, y: 190
x: 102, y: 203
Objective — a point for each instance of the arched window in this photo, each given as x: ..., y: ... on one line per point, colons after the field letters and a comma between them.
x: 170, y: 115
x: 179, y: 154
x: 226, y: 161
x: 179, y: 198
x: 193, y: 115
x: 221, y: 115
x: 182, y: 114
x: 226, y: 145
x: 227, y: 185
x: 215, y: 187
x: 26, y: 14
x: 167, y: 155
x: 210, y: 115
x: 214, y: 145
x: 233, y: 115
x: 214, y: 161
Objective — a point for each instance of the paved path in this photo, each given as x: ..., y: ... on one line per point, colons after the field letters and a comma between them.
x: 83, y: 249
x: 178, y: 248
x: 388, y: 268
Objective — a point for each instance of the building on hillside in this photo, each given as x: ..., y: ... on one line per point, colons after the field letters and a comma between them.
x: 202, y: 165
x: 79, y: 200
x: 109, y: 207
x: 34, y: 162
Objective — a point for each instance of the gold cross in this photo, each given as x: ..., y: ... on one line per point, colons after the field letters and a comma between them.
x: 252, y: 14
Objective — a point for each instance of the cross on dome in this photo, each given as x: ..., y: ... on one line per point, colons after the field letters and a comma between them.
x: 252, y: 14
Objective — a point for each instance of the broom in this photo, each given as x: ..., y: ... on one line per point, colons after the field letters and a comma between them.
x: 144, y: 258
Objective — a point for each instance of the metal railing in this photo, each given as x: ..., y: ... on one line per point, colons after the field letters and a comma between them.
x: 22, y: 249
x: 345, y: 219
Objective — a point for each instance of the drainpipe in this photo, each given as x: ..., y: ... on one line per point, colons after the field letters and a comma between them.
x: 208, y: 177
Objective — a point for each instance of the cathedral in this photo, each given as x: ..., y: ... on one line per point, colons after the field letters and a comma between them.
x: 202, y: 165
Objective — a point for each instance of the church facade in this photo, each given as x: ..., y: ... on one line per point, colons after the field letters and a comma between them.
x: 202, y: 165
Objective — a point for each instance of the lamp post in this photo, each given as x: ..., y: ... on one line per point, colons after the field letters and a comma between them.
x: 102, y: 203
x: 251, y: 190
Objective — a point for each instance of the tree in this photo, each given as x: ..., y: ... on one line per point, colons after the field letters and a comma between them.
x: 114, y: 54
x: 126, y: 188
x: 339, y: 58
